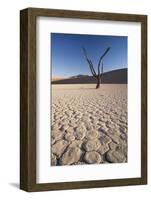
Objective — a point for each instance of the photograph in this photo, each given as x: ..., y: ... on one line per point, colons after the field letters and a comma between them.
x: 88, y: 80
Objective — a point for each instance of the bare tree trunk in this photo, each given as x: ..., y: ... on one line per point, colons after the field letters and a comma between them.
x: 98, y: 78
x: 98, y: 83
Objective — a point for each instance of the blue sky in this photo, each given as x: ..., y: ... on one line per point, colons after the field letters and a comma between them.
x: 67, y: 58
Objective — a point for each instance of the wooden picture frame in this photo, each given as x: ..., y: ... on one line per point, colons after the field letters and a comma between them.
x: 28, y: 98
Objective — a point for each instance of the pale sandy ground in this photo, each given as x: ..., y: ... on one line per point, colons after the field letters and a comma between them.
x: 89, y: 125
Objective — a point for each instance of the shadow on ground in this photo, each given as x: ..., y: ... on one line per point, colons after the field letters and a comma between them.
x: 16, y: 185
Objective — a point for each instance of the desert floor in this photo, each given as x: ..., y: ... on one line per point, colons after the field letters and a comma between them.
x: 89, y: 125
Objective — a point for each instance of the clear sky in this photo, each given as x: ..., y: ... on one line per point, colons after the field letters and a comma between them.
x: 67, y: 58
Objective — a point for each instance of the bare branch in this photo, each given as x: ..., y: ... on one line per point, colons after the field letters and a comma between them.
x: 89, y: 62
x: 92, y: 68
x: 106, y: 51
x: 85, y: 52
x: 102, y: 68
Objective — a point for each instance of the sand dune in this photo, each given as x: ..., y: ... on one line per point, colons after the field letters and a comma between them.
x: 113, y: 77
x: 89, y: 126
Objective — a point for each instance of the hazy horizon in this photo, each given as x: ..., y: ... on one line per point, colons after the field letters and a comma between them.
x: 57, y: 76
x: 67, y: 58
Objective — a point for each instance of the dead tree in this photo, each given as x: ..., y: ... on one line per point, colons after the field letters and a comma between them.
x: 97, y: 76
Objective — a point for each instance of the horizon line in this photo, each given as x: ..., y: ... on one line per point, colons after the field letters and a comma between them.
x: 87, y: 74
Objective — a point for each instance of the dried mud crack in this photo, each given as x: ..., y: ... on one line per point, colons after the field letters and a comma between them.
x: 89, y: 126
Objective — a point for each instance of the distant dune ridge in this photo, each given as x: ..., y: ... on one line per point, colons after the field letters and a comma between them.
x: 112, y: 77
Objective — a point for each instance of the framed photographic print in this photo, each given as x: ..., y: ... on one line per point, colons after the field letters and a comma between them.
x: 83, y: 99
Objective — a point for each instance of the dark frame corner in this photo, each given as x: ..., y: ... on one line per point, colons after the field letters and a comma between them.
x: 28, y: 98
